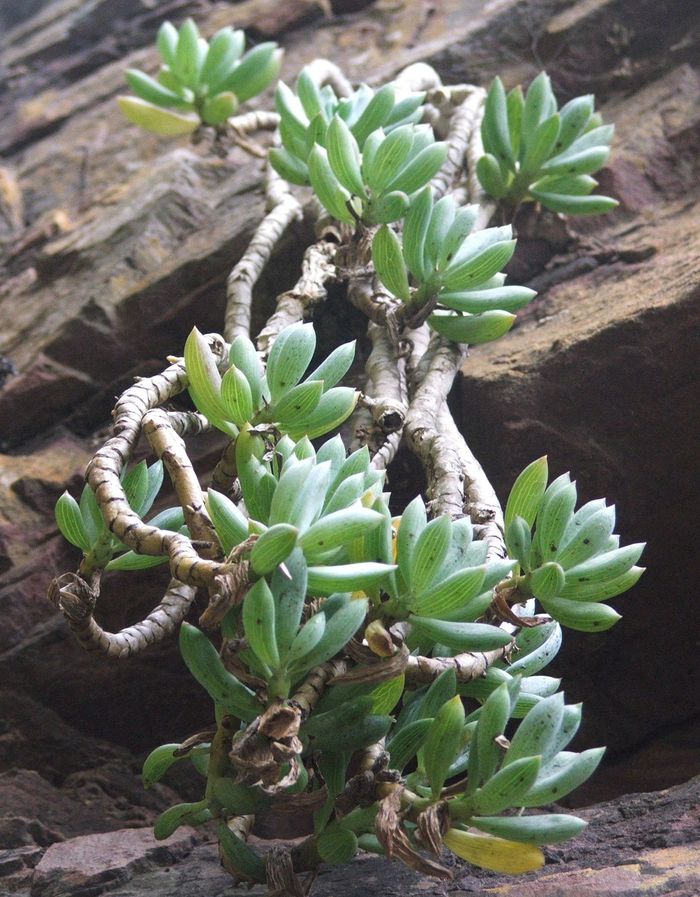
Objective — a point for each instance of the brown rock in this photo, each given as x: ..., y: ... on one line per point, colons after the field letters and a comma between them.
x: 96, y: 863
x: 34, y: 737
x: 645, y: 844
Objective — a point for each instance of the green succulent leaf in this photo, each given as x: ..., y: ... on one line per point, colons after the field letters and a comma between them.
x: 389, y: 264
x: 203, y: 661
x: 547, y: 828
x: 289, y: 589
x: 420, y: 169
x: 181, y: 814
x: 537, y: 107
x: 328, y: 188
x: 507, y: 787
x: 461, y: 636
x: 406, y: 743
x: 241, y: 857
x: 576, y: 205
x: 430, y: 551
x: 380, y: 168
x: 574, y: 115
x: 334, y: 367
x: 205, y: 382
x: 515, y: 102
x: 537, y: 733
x: 540, y: 146
x: 340, y: 628
x: 152, y: 91
x: 485, y: 753
x: 415, y: 231
x: 259, y: 620
x: 158, y: 762
x: 289, y: 357
x: 536, y: 647
x: 564, y: 772
x: 272, y: 548
x: 495, y: 129
x: 452, y: 593
x: 288, y: 166
x: 231, y: 525
x: 186, y: 63
x: 297, y: 404
x: 166, y: 42
x: 225, y: 49
x: 344, y: 156
x: 527, y: 492
x: 356, y: 577
x: 219, y: 108
x: 473, y: 329
x: 508, y: 299
x: 334, y: 407
x: 547, y: 581
x: 572, y: 185
x: 443, y: 743
x: 519, y: 541
x: 375, y: 114
x: 581, y: 161
x: 70, y: 522
x: 237, y: 396
x: 387, y: 208
x: 336, y: 529
x: 337, y: 844
x: 583, y: 616
x: 475, y: 269
x: 306, y: 639
x: 256, y: 71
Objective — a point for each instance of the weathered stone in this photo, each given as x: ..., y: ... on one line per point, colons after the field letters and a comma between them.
x: 104, y: 798
x: 93, y: 864
x: 34, y: 737
x: 635, y: 846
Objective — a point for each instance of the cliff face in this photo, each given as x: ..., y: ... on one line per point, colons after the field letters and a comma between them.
x: 113, y: 244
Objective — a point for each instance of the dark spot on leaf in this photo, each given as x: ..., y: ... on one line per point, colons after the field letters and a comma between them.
x: 586, y: 541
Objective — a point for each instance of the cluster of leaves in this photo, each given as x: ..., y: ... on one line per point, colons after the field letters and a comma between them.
x: 534, y: 152
x: 199, y: 82
x: 364, y: 155
x: 83, y: 525
x: 571, y: 561
x: 247, y: 395
x: 451, y: 269
x: 330, y: 563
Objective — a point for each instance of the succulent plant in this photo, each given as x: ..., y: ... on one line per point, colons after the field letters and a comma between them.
x: 378, y: 667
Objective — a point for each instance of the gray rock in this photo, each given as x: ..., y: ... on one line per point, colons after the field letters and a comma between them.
x: 92, y: 864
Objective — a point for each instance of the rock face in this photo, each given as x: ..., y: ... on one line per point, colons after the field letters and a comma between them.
x: 643, y: 844
x: 97, y: 863
x: 113, y: 244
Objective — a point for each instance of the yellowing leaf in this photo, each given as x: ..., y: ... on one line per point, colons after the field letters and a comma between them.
x: 159, y: 121
x: 496, y: 854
